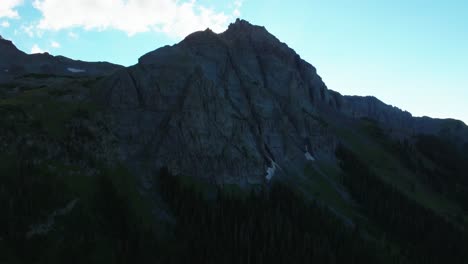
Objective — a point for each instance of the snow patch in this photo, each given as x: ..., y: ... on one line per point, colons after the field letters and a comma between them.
x: 308, y: 156
x: 42, y: 229
x: 271, y: 171
x: 75, y: 70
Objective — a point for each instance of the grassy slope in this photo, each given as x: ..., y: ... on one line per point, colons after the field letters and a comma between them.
x: 319, y: 181
x: 53, y: 107
x: 46, y: 110
x: 387, y: 165
x: 48, y: 104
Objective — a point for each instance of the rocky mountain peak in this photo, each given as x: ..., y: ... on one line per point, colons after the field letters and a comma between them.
x: 241, y: 103
x: 5, y: 43
x: 241, y: 25
x: 243, y: 29
x: 206, y: 35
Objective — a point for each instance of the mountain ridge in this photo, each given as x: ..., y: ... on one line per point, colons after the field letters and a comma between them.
x: 358, y: 106
x: 253, y: 81
x: 15, y: 63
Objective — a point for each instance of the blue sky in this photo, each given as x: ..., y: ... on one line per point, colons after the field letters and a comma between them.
x: 412, y: 54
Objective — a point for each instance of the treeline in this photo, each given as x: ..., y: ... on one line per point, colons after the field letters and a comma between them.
x: 27, y: 195
x: 424, y: 236
x: 448, y: 173
x: 402, y: 150
x: 271, y: 225
x: 450, y: 176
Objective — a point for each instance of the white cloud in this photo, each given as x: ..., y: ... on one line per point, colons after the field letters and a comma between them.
x: 173, y: 17
x: 36, y: 49
x: 31, y: 30
x: 73, y: 35
x: 55, y: 44
x: 5, y: 24
x: 7, y: 8
x: 28, y: 29
x: 237, y: 7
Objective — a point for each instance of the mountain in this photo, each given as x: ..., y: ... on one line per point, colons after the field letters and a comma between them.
x: 223, y: 148
x: 15, y: 63
x: 239, y: 103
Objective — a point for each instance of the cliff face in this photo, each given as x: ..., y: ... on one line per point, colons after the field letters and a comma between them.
x: 225, y: 106
x: 231, y: 107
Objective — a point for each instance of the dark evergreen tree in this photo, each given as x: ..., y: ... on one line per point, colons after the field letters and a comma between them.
x: 424, y: 236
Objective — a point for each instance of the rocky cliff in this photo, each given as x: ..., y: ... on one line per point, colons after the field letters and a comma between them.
x: 237, y: 106
x: 229, y: 107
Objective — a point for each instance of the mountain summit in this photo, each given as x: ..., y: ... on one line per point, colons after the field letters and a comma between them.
x: 240, y: 103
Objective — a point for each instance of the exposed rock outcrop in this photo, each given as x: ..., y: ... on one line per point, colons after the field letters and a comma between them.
x: 224, y: 106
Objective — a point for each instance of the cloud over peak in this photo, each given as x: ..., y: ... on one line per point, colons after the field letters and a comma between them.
x: 55, y: 44
x: 36, y: 49
x: 7, y: 8
x: 173, y: 17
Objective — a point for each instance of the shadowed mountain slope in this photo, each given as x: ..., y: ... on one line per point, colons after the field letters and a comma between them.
x: 15, y: 63
x: 223, y: 148
x: 238, y: 102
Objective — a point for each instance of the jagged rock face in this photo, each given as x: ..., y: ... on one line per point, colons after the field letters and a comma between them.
x: 15, y: 63
x: 233, y: 107
x: 225, y: 106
